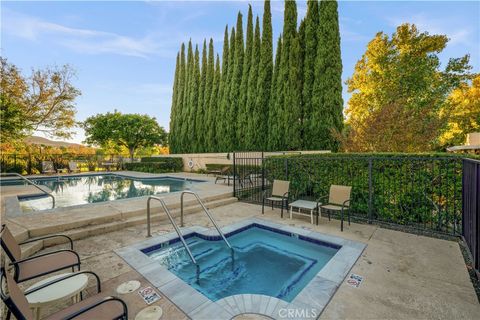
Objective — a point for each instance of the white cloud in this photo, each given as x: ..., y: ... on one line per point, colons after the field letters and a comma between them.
x: 457, y: 32
x: 80, y: 40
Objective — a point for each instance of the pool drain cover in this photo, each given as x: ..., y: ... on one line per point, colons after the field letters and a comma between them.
x: 150, y: 313
x: 128, y: 287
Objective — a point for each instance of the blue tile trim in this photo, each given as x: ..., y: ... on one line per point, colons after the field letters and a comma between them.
x: 234, y: 232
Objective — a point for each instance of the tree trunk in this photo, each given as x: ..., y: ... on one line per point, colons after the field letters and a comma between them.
x: 132, y: 152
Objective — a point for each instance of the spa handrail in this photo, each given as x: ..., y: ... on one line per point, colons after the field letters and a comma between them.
x: 208, y: 214
x: 165, y: 208
x: 32, y: 183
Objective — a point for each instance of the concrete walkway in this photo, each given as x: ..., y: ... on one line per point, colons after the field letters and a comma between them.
x: 404, y: 276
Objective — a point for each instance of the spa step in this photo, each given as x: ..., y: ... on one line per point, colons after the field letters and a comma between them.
x: 92, y: 230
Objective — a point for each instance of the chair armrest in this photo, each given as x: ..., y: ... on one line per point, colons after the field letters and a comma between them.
x: 45, y: 254
x: 344, y: 203
x: 49, y: 283
x: 96, y: 304
x: 49, y: 237
x: 321, y: 198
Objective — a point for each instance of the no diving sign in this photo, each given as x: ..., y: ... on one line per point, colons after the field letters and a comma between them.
x: 354, y: 280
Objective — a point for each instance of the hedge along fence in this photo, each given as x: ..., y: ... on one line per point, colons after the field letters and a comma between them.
x: 156, y: 165
x: 422, y: 191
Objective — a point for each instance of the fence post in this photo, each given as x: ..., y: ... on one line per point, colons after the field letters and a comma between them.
x: 370, y: 190
x: 234, y: 172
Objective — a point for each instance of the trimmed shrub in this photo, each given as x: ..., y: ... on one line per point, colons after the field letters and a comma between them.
x: 166, y: 165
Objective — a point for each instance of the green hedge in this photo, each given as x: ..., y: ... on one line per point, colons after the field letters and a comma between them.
x: 401, y: 184
x: 165, y: 165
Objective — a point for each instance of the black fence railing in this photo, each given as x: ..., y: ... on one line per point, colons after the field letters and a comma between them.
x: 32, y: 163
x: 419, y: 192
x: 471, y: 209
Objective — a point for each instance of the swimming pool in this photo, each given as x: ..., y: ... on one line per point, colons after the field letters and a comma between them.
x: 267, y: 261
x: 93, y: 188
x: 277, y: 269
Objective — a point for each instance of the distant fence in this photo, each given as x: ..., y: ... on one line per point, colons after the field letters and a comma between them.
x: 32, y: 163
x: 471, y: 209
x: 419, y: 192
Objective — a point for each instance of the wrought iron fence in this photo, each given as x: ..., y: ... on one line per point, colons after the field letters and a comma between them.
x: 32, y: 163
x: 471, y: 209
x: 419, y: 192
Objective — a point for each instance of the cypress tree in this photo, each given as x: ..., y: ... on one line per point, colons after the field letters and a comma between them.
x: 173, y: 109
x: 311, y: 38
x: 225, y: 136
x: 183, y: 123
x: 250, y: 110
x: 283, y: 111
x: 236, y: 79
x: 273, y: 115
x: 208, y: 92
x: 327, y: 102
x: 192, y: 103
x: 179, y: 102
x: 220, y: 114
x: 243, y: 116
x: 211, y: 141
x: 200, y: 111
x: 264, y: 82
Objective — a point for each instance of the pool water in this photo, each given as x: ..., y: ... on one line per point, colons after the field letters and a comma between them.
x: 266, y: 262
x: 75, y: 190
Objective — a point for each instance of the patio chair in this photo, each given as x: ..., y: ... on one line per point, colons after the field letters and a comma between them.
x: 38, y: 265
x: 73, y: 166
x: 95, y: 307
x: 47, y: 167
x: 338, y: 200
x: 280, y: 192
x: 223, y: 175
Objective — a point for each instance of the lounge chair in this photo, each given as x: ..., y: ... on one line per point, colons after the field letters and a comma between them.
x: 39, y: 265
x: 73, y: 166
x: 223, y: 175
x: 47, y: 167
x: 338, y: 200
x: 280, y: 192
x: 95, y: 307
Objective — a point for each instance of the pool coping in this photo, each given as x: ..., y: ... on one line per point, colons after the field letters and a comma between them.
x: 14, y: 208
x: 311, y: 301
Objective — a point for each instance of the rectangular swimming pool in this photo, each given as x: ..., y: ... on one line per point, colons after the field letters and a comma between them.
x: 267, y: 261
x: 93, y: 188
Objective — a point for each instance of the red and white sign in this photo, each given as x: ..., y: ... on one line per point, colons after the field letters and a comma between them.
x: 354, y: 280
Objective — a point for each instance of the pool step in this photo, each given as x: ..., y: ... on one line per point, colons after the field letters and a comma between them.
x: 92, y: 230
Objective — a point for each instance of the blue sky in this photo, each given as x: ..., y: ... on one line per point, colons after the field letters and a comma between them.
x: 124, y: 52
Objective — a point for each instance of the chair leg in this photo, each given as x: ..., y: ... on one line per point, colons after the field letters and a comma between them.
x: 341, y: 221
x: 263, y: 205
x: 348, y: 212
x: 318, y: 213
x: 328, y: 215
x: 281, y: 215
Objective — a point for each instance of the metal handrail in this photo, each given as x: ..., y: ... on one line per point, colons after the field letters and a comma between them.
x: 32, y: 183
x: 209, y: 216
x: 165, y: 208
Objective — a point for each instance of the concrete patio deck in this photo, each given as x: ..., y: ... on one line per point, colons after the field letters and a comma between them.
x: 405, y: 276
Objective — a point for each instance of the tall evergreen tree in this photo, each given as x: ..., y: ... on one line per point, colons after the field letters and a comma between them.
x: 193, y: 103
x: 285, y: 112
x: 310, y: 52
x: 179, y: 101
x: 208, y: 92
x: 264, y: 82
x: 242, y: 115
x: 211, y: 138
x: 327, y: 102
x: 220, y: 125
x: 273, y: 114
x: 198, y: 145
x: 250, y: 109
x: 183, y: 119
x: 225, y: 136
x: 235, y: 85
x: 174, y: 108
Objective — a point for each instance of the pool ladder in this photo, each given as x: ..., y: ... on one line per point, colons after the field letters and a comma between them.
x: 177, y: 229
x: 14, y: 174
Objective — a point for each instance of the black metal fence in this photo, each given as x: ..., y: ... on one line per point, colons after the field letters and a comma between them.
x: 419, y: 192
x: 25, y: 163
x: 471, y: 209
